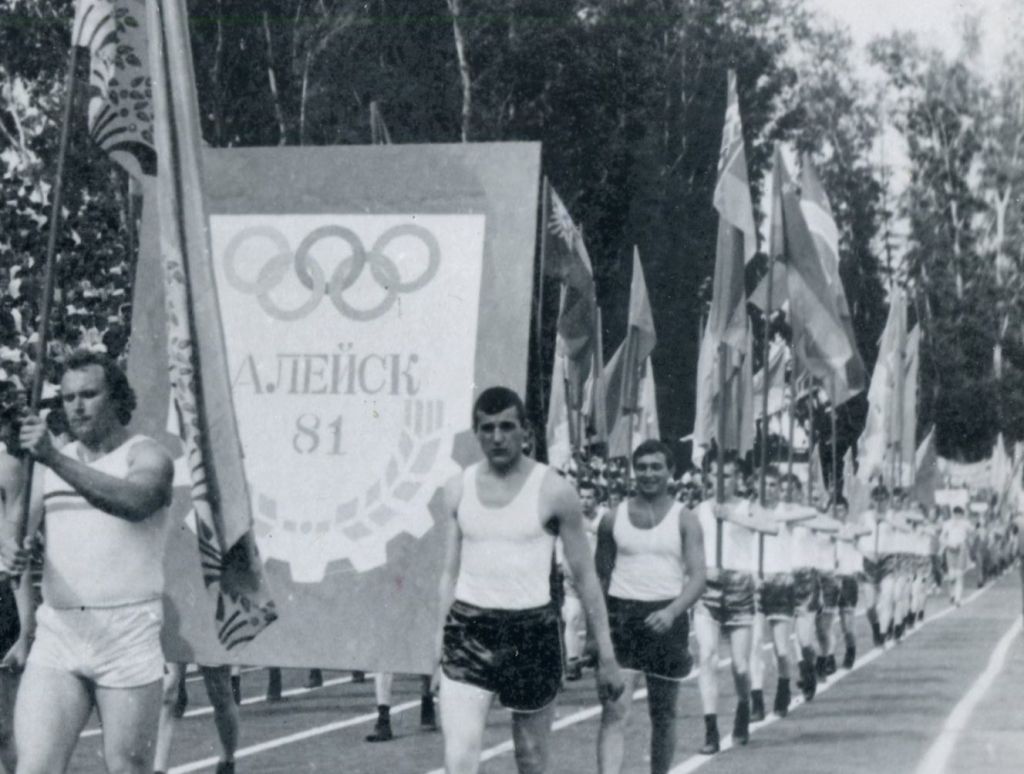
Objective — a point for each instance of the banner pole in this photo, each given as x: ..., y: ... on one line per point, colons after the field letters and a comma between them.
x: 542, y: 259
x: 811, y: 440
x: 49, y: 276
x: 792, y: 426
x: 835, y: 453
x: 723, y: 408
x: 764, y: 386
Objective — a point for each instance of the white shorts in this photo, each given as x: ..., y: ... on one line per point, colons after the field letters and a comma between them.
x: 111, y: 647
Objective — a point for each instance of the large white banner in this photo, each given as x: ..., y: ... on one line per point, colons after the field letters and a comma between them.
x: 347, y: 411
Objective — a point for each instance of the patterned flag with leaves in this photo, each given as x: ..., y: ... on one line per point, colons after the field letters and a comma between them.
x: 129, y: 116
x: 120, y: 109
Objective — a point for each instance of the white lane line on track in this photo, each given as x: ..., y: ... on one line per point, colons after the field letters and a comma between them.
x: 300, y: 736
x: 694, y: 762
x: 194, y: 675
x: 193, y: 713
x: 937, y: 758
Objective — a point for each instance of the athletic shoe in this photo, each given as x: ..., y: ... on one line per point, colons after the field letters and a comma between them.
x: 898, y: 632
x: 756, y: 706
x: 808, y: 682
x: 315, y: 679
x: 830, y: 665
x: 876, y: 634
x: 711, y: 741
x: 782, y: 698
x: 358, y: 677
x: 820, y: 667
x: 381, y: 732
x: 226, y: 767
x: 850, y: 658
x: 181, y: 700
x: 274, y: 685
x: 573, y: 670
x: 428, y: 717
x: 741, y: 724
x: 920, y: 615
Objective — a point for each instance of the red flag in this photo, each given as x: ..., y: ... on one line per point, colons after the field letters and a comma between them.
x: 820, y: 221
x: 820, y: 343
x: 737, y: 243
x: 199, y: 378
x: 566, y: 258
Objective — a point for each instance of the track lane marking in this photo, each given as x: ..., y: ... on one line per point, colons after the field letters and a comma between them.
x: 936, y: 760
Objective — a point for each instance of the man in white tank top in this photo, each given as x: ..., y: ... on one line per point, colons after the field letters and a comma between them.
x: 727, y: 605
x: 98, y: 630
x: 499, y: 634
x: 572, y: 607
x: 650, y: 555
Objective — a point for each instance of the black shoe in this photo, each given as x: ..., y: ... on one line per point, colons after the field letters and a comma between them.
x: 358, y: 677
x: 820, y: 667
x: 741, y: 724
x: 381, y: 732
x: 226, y: 767
x: 315, y: 679
x: 573, y: 670
x: 181, y: 700
x: 876, y: 635
x: 920, y: 615
x: 756, y: 706
x: 850, y: 658
x: 808, y: 682
x: 236, y: 688
x: 782, y: 699
x: 274, y: 685
x: 830, y: 666
x: 428, y: 716
x: 711, y: 741
x: 909, y: 621
x: 898, y: 635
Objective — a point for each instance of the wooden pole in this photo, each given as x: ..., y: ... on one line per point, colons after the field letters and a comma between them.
x: 764, y: 386
x: 723, y: 407
x: 792, y: 425
x: 835, y: 453
x: 542, y: 260
x: 49, y: 275
x: 811, y: 442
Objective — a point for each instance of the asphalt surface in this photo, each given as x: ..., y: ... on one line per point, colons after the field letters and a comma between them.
x: 947, y: 698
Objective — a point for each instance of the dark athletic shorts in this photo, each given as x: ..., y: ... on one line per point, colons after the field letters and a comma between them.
x: 9, y: 625
x: 806, y: 592
x: 516, y: 654
x: 830, y: 591
x: 849, y: 592
x: 638, y: 648
x: 885, y: 566
x: 776, y: 597
x: 729, y: 598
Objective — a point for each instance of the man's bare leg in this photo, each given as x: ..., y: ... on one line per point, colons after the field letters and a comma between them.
x: 611, y: 738
x: 51, y: 711
x: 168, y: 717
x: 8, y: 694
x: 464, y: 711
x: 708, y: 636
x: 531, y: 735
x: 130, y: 717
x: 225, y: 711
x: 662, y: 702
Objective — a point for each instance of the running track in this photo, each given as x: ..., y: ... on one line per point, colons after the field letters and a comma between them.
x: 947, y: 699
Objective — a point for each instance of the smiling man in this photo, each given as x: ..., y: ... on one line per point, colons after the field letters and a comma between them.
x: 650, y: 552
x: 97, y: 641
x: 500, y: 632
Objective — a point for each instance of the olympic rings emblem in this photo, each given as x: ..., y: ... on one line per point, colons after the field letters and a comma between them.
x: 348, y: 271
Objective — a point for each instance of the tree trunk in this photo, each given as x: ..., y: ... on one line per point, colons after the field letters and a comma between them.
x: 454, y: 6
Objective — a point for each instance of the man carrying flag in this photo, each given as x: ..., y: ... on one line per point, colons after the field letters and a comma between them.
x: 105, y: 500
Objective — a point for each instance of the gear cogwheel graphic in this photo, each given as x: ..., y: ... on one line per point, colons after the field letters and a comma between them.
x: 357, y: 532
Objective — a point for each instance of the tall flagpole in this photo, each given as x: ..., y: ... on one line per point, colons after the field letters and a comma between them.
x: 765, y: 381
x: 835, y: 452
x: 542, y: 259
x: 723, y: 405
x: 49, y: 276
x: 792, y: 426
x: 811, y: 441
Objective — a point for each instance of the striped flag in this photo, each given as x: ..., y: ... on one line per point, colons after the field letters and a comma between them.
x: 877, y: 437
x: 197, y: 367
x: 817, y: 211
x: 820, y: 344
x: 727, y: 318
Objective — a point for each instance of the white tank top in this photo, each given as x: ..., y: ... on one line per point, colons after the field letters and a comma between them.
x: 648, y: 562
x: 739, y: 545
x: 777, y: 555
x: 851, y: 561
x: 505, y: 561
x: 93, y: 559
